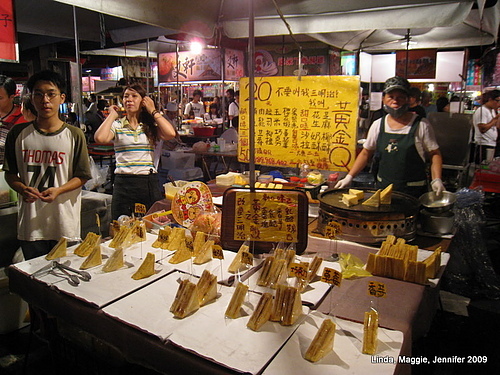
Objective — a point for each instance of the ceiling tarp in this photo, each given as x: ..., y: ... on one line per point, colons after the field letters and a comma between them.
x: 340, y: 23
x: 408, y: 16
x: 194, y: 16
x: 50, y: 18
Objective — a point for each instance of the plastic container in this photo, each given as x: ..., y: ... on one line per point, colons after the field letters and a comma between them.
x: 177, y: 160
x: 203, y: 131
x: 265, y: 178
x: 170, y: 189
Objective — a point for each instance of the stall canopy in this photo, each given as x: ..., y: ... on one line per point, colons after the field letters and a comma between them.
x: 348, y: 24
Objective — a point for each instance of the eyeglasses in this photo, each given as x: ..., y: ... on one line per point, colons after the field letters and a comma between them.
x: 51, y: 95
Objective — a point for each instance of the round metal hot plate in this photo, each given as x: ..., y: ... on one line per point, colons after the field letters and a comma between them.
x: 400, y: 203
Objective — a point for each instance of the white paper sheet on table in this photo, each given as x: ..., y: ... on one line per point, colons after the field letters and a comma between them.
x: 106, y: 287
x: 215, y: 266
x: 140, y: 249
x: 313, y: 293
x: 228, y: 341
x: 346, y: 357
x: 33, y: 265
x: 149, y: 309
x: 102, y: 288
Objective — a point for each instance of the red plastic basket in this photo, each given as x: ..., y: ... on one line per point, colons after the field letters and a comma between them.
x: 205, y: 131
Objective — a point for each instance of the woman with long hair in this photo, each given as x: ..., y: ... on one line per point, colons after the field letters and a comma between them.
x: 134, y: 137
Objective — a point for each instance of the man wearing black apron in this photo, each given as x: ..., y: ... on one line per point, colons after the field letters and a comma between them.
x: 401, y: 139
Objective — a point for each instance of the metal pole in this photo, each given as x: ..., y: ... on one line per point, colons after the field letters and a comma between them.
x: 148, y: 67
x: 178, y: 88
x: 78, y: 100
x: 251, y: 93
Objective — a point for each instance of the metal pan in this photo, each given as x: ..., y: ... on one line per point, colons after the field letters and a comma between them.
x: 438, y: 204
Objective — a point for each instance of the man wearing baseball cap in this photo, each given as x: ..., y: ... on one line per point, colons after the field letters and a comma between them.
x: 402, y: 140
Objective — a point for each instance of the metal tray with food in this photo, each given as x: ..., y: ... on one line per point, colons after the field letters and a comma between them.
x: 369, y: 224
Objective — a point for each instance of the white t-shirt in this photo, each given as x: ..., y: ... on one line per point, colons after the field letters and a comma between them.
x: 198, y: 109
x: 48, y: 160
x: 234, y: 109
x: 483, y: 115
x: 425, y: 140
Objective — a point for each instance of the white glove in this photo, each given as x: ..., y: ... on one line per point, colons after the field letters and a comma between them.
x: 345, y: 182
x: 437, y: 186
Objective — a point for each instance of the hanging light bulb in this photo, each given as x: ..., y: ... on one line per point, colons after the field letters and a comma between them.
x: 196, y: 47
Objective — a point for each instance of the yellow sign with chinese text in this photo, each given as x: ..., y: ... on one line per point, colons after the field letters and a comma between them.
x: 312, y: 121
x: 331, y: 276
x: 377, y: 289
x: 269, y: 216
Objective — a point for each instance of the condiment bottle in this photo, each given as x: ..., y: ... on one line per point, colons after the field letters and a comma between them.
x: 332, y: 180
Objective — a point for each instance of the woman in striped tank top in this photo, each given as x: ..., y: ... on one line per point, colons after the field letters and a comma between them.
x: 134, y: 136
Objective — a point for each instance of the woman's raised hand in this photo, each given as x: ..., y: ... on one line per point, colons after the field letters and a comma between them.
x: 148, y: 103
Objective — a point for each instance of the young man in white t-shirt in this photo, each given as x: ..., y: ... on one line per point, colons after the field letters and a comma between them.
x: 46, y: 163
x: 486, y: 124
x: 195, y: 108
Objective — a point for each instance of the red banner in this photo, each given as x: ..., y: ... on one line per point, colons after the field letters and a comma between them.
x: 421, y: 63
x: 8, y: 46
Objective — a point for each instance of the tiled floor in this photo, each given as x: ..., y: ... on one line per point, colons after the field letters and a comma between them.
x: 465, y: 328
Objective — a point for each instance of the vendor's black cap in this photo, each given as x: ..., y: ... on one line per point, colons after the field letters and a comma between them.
x: 397, y: 83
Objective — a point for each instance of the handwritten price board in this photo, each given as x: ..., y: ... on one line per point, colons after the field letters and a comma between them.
x: 269, y: 216
x: 312, y: 121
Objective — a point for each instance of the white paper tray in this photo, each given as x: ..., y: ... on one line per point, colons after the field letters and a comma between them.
x: 228, y: 341
x: 149, y: 309
x: 346, y: 357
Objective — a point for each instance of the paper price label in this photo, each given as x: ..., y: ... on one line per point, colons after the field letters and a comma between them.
x: 332, y: 230
x: 98, y: 220
x: 331, y: 276
x: 377, y: 289
x: 139, y: 208
x: 217, y: 252
x: 247, y: 258
x: 163, y: 235
x: 140, y: 232
x: 298, y: 270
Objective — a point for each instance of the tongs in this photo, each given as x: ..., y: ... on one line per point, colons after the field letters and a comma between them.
x: 73, y: 280
x: 84, y: 275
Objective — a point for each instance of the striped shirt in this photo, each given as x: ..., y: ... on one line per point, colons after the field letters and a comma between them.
x: 133, y: 151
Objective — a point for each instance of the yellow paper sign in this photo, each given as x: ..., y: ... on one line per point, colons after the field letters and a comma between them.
x: 247, y: 258
x: 299, y: 270
x: 269, y: 216
x: 308, y: 121
x: 139, y: 208
x: 163, y: 235
x: 331, y: 276
x: 217, y: 252
x: 377, y: 289
x: 332, y: 229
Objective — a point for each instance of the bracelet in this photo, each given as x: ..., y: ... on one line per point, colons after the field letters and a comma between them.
x: 154, y: 112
